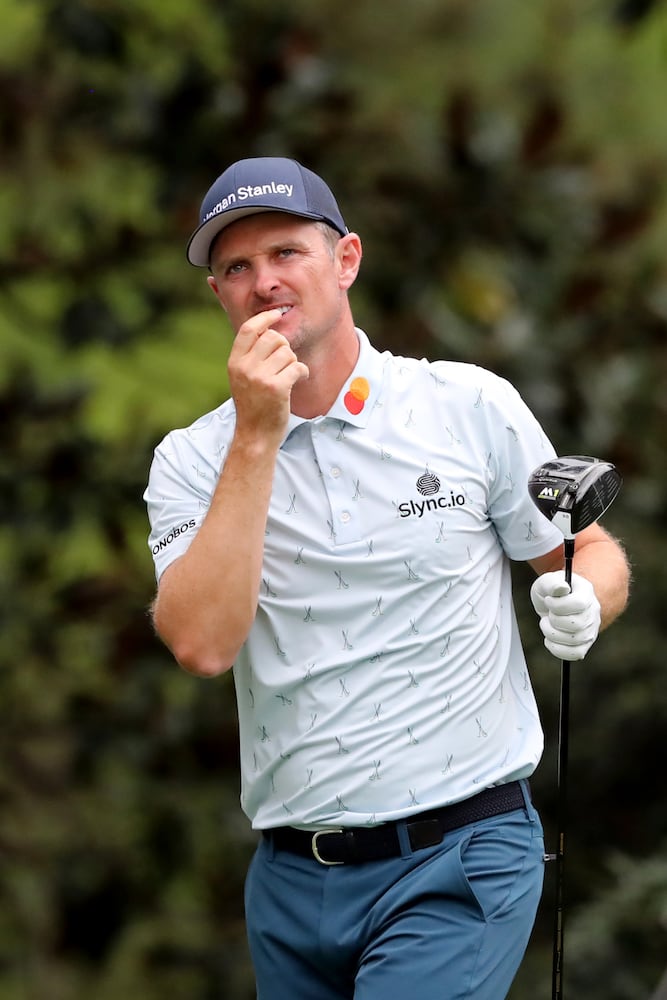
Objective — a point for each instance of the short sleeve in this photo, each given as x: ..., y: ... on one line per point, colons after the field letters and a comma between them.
x: 176, y: 503
x: 519, y: 446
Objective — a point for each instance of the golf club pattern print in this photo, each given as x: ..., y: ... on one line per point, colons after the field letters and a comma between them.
x: 422, y: 498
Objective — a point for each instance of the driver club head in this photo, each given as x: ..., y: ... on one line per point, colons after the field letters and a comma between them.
x: 574, y: 491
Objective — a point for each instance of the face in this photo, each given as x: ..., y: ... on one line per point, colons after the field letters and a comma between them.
x: 272, y: 260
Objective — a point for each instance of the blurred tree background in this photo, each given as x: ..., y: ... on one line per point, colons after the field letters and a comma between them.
x: 505, y: 165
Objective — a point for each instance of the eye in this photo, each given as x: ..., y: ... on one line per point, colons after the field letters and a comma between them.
x: 286, y: 252
x: 236, y: 268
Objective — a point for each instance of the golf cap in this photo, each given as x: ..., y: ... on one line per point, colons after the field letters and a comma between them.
x: 261, y: 184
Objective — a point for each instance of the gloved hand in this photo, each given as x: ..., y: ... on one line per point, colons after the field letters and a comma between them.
x: 569, y: 619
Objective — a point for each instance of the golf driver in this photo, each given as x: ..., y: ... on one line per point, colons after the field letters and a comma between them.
x: 573, y: 492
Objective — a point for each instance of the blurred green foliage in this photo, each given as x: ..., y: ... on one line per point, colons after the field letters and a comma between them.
x: 504, y: 165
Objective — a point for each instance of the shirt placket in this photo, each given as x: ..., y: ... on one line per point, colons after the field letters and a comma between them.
x: 333, y: 459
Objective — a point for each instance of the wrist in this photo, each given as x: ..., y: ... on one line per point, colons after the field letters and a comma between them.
x: 255, y: 445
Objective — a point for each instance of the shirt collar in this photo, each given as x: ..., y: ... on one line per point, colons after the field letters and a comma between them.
x: 360, y: 390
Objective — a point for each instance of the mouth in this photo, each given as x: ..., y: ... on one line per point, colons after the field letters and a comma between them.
x: 282, y: 309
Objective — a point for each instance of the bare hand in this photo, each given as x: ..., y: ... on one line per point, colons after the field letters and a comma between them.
x: 263, y: 368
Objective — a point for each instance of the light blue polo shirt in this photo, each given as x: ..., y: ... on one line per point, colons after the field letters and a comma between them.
x: 384, y: 673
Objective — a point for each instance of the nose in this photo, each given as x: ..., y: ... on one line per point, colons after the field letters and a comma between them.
x: 266, y: 281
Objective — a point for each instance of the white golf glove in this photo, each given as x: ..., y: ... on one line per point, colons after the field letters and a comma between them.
x: 569, y: 618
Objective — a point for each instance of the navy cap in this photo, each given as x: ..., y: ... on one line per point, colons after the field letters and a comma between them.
x: 262, y: 184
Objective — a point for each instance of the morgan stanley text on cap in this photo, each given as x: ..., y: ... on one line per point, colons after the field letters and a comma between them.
x: 262, y: 184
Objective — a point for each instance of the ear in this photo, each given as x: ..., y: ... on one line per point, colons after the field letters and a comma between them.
x: 213, y: 285
x: 348, y: 259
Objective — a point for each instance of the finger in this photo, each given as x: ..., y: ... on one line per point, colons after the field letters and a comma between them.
x: 254, y: 328
x: 571, y: 604
x: 571, y: 632
x: 275, y: 354
x: 573, y: 623
x: 286, y: 370
x: 569, y: 653
x: 583, y: 632
x: 272, y: 357
x: 301, y: 371
x: 272, y: 344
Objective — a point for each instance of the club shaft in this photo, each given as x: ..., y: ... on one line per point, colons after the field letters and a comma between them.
x: 563, y: 750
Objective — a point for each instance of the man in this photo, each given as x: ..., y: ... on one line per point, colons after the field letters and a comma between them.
x: 339, y: 533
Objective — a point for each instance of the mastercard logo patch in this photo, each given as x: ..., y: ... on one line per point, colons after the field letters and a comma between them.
x: 356, y: 396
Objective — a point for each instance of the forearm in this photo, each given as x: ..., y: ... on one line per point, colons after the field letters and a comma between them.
x: 572, y: 617
x: 207, y: 600
x: 602, y: 560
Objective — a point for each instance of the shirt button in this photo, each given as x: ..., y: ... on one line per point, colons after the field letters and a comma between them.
x: 345, y: 516
x: 335, y: 472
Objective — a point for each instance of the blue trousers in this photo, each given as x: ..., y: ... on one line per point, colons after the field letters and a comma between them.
x: 442, y: 923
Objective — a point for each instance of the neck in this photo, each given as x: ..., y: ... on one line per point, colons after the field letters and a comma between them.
x: 329, y: 368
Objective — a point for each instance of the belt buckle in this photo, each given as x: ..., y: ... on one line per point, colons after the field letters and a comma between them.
x: 315, y: 850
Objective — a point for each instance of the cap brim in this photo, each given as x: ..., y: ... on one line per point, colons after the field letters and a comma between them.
x: 199, y: 248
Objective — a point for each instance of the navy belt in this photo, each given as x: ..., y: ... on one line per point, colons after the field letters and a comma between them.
x: 355, y: 845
